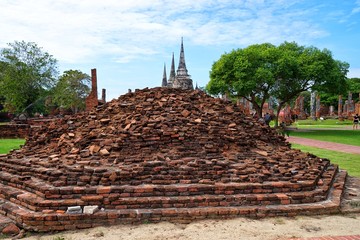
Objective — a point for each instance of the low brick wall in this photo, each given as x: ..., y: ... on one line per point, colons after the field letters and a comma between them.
x: 24, y: 129
x: 14, y: 130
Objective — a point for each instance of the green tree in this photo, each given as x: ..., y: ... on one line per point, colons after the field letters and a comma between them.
x: 329, y: 99
x: 354, y: 85
x: 2, y: 98
x: 26, y: 75
x: 302, y: 68
x: 354, y: 88
x: 260, y: 71
x: 247, y: 73
x: 71, y: 90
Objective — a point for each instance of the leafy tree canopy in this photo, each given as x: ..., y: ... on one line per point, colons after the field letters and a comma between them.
x: 354, y: 85
x: 26, y: 74
x: 247, y: 73
x: 302, y: 68
x: 71, y: 90
x: 263, y: 70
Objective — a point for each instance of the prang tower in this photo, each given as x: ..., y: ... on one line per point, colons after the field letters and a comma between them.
x: 181, y: 79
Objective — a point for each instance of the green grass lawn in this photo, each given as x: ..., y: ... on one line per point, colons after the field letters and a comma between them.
x: 328, y: 123
x: 351, y: 137
x: 8, y: 144
x: 346, y: 161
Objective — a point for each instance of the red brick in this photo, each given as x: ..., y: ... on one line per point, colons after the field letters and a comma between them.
x: 92, y: 198
x: 103, y: 190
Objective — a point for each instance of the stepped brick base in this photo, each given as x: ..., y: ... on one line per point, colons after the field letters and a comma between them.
x: 161, y: 155
x: 18, y: 208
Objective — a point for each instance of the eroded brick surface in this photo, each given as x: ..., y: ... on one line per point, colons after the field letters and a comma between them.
x: 14, y: 130
x: 161, y: 155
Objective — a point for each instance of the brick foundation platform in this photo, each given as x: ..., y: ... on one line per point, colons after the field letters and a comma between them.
x: 25, y: 208
x: 161, y: 155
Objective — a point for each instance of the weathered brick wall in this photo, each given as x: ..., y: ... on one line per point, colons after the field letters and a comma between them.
x: 357, y: 108
x: 24, y: 129
x: 42, y: 121
x: 92, y: 100
x: 14, y: 130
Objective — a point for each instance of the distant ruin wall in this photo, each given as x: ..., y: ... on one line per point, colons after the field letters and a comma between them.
x: 92, y: 100
x: 14, y: 130
x: 23, y: 129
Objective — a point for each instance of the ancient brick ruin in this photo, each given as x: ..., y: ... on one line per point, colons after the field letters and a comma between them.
x: 14, y: 130
x: 92, y: 100
x: 161, y: 154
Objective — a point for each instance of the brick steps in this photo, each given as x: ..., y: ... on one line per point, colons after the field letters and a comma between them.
x: 37, y: 196
x: 39, y: 221
x: 48, y: 191
x: 115, y: 201
x: 26, y: 180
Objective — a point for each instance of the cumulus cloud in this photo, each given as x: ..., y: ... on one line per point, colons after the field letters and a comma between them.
x: 356, y: 9
x: 127, y: 30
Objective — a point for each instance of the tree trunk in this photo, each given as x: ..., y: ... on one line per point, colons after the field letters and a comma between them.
x: 277, y: 114
x: 258, y: 110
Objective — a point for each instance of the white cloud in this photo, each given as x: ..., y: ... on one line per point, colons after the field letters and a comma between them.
x: 81, y: 30
x: 354, y: 73
x: 356, y: 9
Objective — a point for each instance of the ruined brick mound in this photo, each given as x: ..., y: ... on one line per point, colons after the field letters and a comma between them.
x: 161, y: 154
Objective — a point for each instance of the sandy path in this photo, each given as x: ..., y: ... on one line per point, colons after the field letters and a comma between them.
x: 241, y: 228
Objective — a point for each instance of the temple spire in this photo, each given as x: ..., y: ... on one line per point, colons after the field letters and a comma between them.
x: 180, y: 79
x: 182, y: 71
x: 172, y: 73
x: 164, y: 80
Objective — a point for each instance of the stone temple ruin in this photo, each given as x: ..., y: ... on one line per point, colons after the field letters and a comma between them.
x: 180, y: 79
x: 161, y: 154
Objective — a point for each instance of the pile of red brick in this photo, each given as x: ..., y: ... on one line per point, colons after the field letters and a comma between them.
x: 161, y: 154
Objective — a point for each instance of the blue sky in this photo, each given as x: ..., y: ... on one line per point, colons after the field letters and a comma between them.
x: 129, y: 41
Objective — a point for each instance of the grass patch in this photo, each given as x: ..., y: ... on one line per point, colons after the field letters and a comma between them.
x: 318, y: 126
x: 6, y: 145
x: 328, y: 123
x: 350, y: 137
x: 346, y: 161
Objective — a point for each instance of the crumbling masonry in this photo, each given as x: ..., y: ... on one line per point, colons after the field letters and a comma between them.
x: 161, y: 154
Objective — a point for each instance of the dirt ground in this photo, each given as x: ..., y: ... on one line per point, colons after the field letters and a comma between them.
x: 240, y: 228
